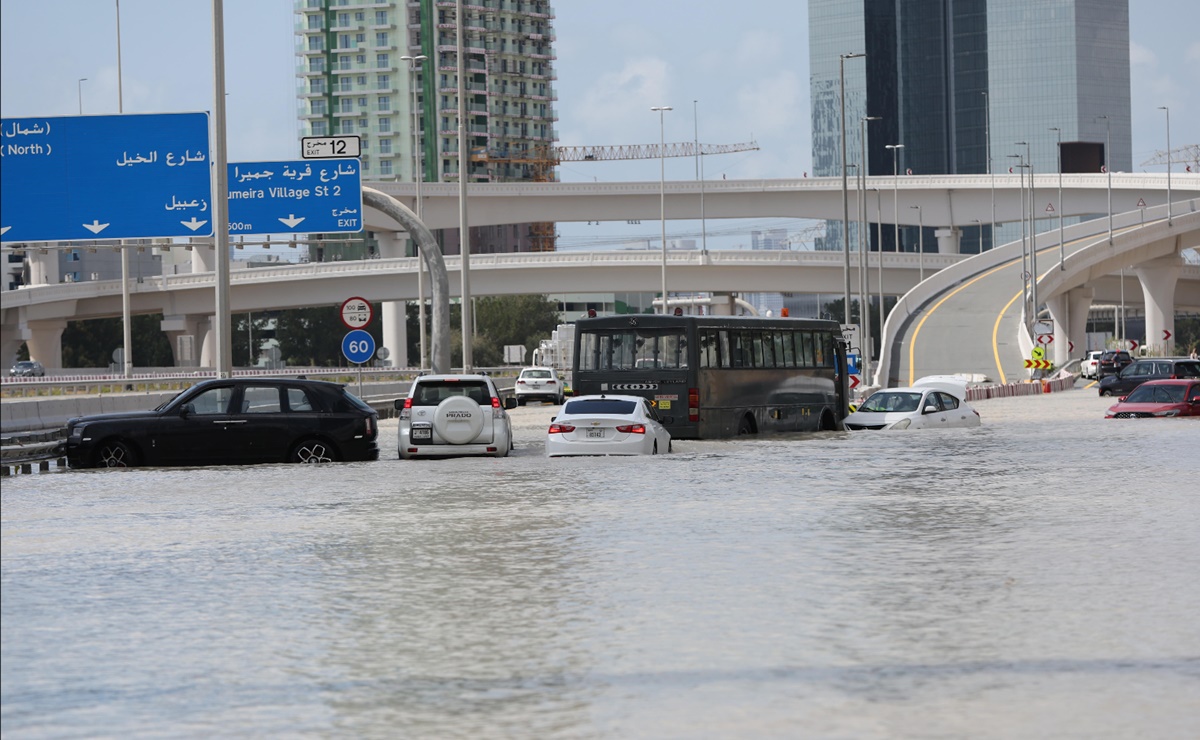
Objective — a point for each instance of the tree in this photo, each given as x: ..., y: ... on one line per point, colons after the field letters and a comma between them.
x: 91, y: 343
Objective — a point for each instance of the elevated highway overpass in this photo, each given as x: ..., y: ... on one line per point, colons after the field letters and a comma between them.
x: 37, y: 314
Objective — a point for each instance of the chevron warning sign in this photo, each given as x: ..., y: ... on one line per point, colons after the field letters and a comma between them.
x: 1039, y: 364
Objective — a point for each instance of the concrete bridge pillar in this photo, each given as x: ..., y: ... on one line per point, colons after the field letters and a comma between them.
x: 949, y: 240
x: 1070, y: 313
x: 394, y: 314
x: 43, y: 338
x: 1158, y: 278
x: 185, y: 331
x: 43, y: 269
x: 204, y: 258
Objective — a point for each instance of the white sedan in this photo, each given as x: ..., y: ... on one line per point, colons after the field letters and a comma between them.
x: 928, y: 404
x: 607, y: 425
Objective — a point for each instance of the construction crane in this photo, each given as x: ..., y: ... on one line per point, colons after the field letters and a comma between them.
x: 542, y: 159
x: 1188, y: 154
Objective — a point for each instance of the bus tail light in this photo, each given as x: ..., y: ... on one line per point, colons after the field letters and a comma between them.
x: 693, y: 404
x: 561, y: 428
x: 632, y: 428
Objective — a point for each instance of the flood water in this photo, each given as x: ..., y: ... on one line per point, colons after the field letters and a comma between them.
x: 1035, y: 577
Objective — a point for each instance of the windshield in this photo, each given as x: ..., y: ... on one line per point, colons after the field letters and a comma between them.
x: 1156, y: 394
x: 887, y: 401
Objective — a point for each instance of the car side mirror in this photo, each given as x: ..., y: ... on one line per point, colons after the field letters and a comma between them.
x: 398, y: 404
x: 187, y: 410
x: 929, y: 409
x: 510, y: 402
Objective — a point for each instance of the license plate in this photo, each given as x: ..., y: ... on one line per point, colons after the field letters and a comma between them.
x: 422, y: 433
x: 595, y: 434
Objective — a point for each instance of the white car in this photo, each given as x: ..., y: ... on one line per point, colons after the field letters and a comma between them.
x: 453, y: 415
x: 539, y: 384
x: 1089, y: 367
x: 930, y: 403
x: 607, y: 425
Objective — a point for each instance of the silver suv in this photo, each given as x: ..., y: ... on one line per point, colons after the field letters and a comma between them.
x: 452, y: 415
x: 539, y: 384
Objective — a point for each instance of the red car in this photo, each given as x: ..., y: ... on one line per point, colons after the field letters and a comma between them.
x: 1178, y: 397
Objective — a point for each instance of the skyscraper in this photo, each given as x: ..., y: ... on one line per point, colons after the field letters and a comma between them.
x: 946, y: 77
x: 354, y: 80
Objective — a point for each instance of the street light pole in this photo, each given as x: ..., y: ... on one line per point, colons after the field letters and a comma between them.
x: 1168, y: 111
x: 845, y: 197
x: 1024, y: 252
x: 864, y: 276
x: 921, y: 241
x: 662, y: 194
x: 1108, y: 169
x: 414, y: 67
x: 700, y: 177
x: 987, y: 130
x: 879, y: 261
x: 80, y: 86
x: 1062, y: 255
x: 895, y: 191
x: 1033, y: 273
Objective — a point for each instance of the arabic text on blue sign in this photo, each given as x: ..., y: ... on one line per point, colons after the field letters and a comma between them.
x: 358, y: 346
x: 295, y: 197
x: 129, y: 176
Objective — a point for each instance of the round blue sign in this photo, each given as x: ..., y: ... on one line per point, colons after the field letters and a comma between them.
x: 358, y: 346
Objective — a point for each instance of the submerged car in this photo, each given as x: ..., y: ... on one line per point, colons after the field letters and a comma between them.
x: 1089, y: 366
x: 452, y: 416
x: 927, y: 404
x: 607, y: 425
x: 1159, y: 398
x: 539, y: 384
x: 231, y: 421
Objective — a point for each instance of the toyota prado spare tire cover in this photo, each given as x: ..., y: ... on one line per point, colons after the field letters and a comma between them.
x: 458, y: 420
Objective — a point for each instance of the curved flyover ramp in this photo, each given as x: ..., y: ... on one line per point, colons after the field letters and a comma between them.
x: 969, y: 318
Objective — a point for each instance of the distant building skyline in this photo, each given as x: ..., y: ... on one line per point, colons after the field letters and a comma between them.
x: 946, y: 78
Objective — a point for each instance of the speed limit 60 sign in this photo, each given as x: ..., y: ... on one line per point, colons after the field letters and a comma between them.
x: 356, y: 313
x: 358, y: 346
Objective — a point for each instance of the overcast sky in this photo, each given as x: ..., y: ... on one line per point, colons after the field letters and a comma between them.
x: 739, y: 70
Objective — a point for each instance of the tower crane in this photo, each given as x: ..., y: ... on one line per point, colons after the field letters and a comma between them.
x: 543, y: 158
x: 1188, y: 154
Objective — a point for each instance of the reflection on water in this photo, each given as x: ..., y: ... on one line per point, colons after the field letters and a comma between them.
x: 1034, y: 576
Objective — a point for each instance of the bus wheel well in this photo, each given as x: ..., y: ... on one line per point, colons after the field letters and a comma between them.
x: 746, y: 425
x: 827, y: 422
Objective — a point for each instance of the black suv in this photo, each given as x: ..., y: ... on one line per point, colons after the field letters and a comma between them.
x: 1150, y: 368
x: 1112, y: 362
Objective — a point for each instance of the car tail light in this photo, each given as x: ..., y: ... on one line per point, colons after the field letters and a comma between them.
x: 520, y: 382
x: 632, y: 428
x: 693, y: 404
x: 497, y: 408
x: 406, y: 412
x: 370, y: 430
x: 549, y: 382
x: 561, y: 428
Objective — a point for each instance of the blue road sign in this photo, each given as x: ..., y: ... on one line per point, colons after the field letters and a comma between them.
x: 105, y: 177
x: 305, y: 197
x: 358, y: 346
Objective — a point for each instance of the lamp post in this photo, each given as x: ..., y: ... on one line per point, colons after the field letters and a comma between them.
x: 921, y: 241
x: 1024, y: 255
x: 987, y: 132
x: 864, y: 277
x: 1062, y: 255
x: 79, y: 85
x: 879, y: 262
x: 700, y: 177
x: 895, y: 190
x: 662, y: 194
x: 1108, y: 169
x: 845, y: 198
x: 1033, y: 273
x: 1168, y: 112
x: 414, y: 66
